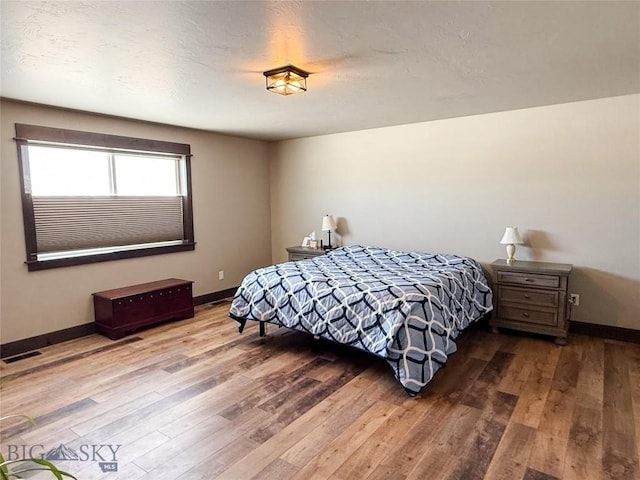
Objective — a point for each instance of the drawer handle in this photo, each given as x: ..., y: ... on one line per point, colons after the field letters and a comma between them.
x: 529, y: 280
x: 525, y: 314
x: 527, y: 297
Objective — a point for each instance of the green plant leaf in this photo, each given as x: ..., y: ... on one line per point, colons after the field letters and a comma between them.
x: 5, y: 474
x: 53, y: 469
x: 24, y: 417
x: 48, y: 466
x: 3, y: 470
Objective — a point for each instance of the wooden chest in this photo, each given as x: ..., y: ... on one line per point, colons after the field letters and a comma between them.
x: 123, y: 310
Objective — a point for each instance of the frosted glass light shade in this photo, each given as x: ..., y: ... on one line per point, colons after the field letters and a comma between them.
x: 286, y: 80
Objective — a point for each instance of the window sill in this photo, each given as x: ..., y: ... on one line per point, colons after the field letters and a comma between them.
x: 35, y: 265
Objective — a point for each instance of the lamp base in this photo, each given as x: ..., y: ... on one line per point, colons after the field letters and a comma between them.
x: 511, y: 252
x: 328, y: 246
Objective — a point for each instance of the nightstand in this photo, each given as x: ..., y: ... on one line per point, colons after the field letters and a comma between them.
x: 531, y: 297
x: 302, y: 253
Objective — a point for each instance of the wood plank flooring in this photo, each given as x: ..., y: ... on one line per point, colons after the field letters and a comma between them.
x: 195, y: 400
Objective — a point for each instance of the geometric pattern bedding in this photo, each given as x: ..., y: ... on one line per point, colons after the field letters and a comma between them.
x: 406, y: 307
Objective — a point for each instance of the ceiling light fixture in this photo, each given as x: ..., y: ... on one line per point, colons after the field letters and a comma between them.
x: 286, y: 80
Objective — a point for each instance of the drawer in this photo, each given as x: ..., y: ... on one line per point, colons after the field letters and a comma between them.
x: 294, y: 257
x: 171, y: 292
x: 131, y: 315
x: 544, y: 298
x: 172, y: 303
x: 528, y: 315
x: 127, y: 303
x: 532, y: 280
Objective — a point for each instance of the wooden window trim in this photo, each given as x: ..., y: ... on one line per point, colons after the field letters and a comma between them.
x: 26, y: 133
x: 35, y: 265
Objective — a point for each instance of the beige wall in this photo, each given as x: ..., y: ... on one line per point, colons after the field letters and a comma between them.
x: 231, y: 222
x: 567, y: 175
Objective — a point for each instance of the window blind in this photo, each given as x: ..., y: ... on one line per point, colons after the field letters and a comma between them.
x: 74, y: 223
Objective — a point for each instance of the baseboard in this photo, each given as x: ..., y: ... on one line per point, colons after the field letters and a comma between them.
x: 605, y: 331
x: 33, y: 343
x: 11, y: 349
x: 21, y: 346
x: 215, y: 296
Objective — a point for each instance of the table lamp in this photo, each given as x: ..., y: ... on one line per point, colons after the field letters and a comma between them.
x: 511, y: 238
x: 328, y: 224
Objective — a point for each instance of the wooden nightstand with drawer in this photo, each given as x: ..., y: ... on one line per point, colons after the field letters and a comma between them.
x: 531, y: 297
x: 302, y: 253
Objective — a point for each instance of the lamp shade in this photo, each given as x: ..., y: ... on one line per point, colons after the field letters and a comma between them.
x: 511, y: 236
x: 328, y: 223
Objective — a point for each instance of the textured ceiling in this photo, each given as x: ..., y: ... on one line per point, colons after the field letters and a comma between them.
x: 199, y: 64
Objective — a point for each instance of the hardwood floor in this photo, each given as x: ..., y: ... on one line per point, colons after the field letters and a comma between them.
x: 194, y: 400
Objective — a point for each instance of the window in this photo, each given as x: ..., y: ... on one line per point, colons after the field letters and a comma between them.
x: 90, y: 197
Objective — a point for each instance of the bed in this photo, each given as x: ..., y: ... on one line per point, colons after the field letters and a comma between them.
x: 406, y: 307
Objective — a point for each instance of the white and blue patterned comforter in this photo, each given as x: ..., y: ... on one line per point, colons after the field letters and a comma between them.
x: 407, y: 307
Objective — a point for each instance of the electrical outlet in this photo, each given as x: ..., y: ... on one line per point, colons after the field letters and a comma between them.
x: 574, y: 299
x: 221, y: 275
